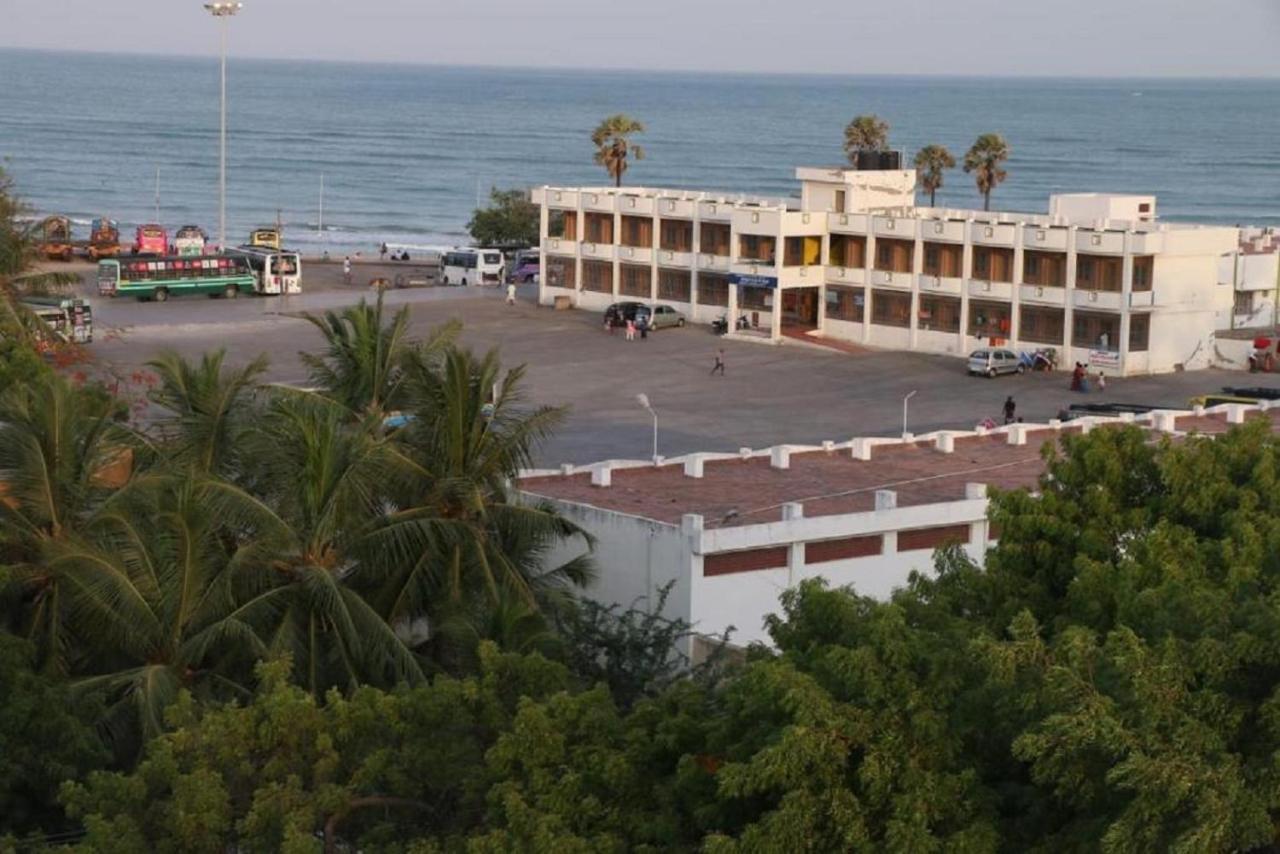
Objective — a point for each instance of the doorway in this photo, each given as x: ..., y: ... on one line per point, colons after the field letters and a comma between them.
x: 800, y: 309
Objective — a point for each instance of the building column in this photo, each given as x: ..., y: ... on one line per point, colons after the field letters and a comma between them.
x: 654, y: 249
x: 1126, y: 301
x: 544, y: 226
x: 868, y: 264
x: 1068, y: 304
x: 1015, y: 292
x: 580, y: 233
x: 966, y: 274
x: 617, y: 241
x: 775, y: 316
x: 917, y: 266
x: 694, y: 303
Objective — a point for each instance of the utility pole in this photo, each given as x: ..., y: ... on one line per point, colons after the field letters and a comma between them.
x: 222, y: 11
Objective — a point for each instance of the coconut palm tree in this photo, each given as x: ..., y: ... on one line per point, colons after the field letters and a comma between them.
x: 865, y: 133
x: 614, y: 147
x: 931, y: 161
x: 63, y: 452
x: 457, y: 533
x: 209, y: 409
x: 325, y: 484
x: 361, y: 367
x: 19, y: 249
x: 984, y: 160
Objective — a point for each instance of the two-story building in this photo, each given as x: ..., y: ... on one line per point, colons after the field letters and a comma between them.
x: 854, y: 259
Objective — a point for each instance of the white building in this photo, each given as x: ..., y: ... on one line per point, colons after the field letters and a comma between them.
x: 854, y: 259
x: 733, y: 531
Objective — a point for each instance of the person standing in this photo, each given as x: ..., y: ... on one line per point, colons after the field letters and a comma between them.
x: 382, y: 252
x: 346, y: 269
x: 1102, y: 381
x: 718, y: 367
x: 631, y: 330
x: 511, y: 294
x: 1010, y: 410
x: 642, y: 323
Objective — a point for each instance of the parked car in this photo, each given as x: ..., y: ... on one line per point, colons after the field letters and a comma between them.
x: 665, y: 316
x: 526, y: 272
x: 624, y: 311
x: 990, y: 363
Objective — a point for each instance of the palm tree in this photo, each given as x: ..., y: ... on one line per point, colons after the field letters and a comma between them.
x: 19, y: 250
x: 361, y: 368
x: 457, y: 533
x: 983, y: 160
x: 60, y: 451
x: 931, y: 162
x: 613, y: 146
x: 209, y: 410
x: 325, y: 485
x: 865, y: 133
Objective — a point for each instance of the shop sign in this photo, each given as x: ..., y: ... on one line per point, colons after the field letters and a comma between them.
x: 746, y: 280
x: 1104, y: 359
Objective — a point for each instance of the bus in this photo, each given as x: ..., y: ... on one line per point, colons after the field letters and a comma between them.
x: 277, y: 272
x: 266, y: 238
x: 472, y: 267
x: 190, y: 241
x: 150, y: 239
x: 69, y: 318
x: 159, y: 278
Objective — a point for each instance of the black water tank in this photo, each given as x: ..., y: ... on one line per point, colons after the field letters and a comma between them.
x: 874, y: 161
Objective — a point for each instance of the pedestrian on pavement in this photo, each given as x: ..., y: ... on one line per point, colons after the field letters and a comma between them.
x: 1102, y: 381
x: 643, y: 325
x: 382, y: 252
x: 1010, y: 410
x: 346, y: 269
x: 718, y: 367
x: 511, y: 294
x: 631, y: 330
x: 1077, y: 378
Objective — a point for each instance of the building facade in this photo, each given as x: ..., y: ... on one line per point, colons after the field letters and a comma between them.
x: 854, y: 259
x: 731, y: 532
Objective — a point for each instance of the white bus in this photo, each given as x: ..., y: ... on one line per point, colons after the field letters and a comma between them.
x: 472, y: 267
x: 278, y: 271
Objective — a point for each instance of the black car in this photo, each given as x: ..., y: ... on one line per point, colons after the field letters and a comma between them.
x: 621, y: 312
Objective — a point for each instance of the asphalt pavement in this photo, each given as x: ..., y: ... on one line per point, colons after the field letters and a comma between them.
x: 768, y: 395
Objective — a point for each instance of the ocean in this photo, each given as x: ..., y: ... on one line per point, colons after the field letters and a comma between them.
x: 407, y: 152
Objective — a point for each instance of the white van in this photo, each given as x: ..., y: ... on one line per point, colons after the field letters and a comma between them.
x: 472, y: 267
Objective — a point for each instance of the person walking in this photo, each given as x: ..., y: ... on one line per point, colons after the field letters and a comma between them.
x: 1102, y: 381
x: 631, y: 330
x: 346, y: 269
x: 511, y: 294
x: 718, y: 367
x: 382, y: 252
x: 1010, y: 410
x: 1077, y: 378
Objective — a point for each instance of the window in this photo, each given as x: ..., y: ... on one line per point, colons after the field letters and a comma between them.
x: 560, y: 272
x: 891, y: 309
x: 713, y: 289
x: 848, y: 251
x: 839, y: 206
x: 939, y: 314
x: 756, y: 247
x: 715, y: 238
x: 492, y: 258
x: 597, y: 276
x: 755, y: 299
x: 1041, y: 325
x: 599, y: 228
x: 1047, y: 269
x: 676, y: 235
x: 801, y: 251
x: 1139, y: 332
x: 894, y: 255
x: 989, y: 319
x: 992, y: 264
x: 635, y: 281
x: 1095, y: 330
x: 1243, y: 302
x: 1142, y: 268
x: 674, y: 285
x: 1099, y: 273
x: 637, y: 231
x: 1031, y: 266
x: 844, y: 303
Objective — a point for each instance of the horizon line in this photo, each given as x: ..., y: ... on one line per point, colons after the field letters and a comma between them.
x: 733, y: 72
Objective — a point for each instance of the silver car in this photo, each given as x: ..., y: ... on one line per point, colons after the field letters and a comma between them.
x: 664, y: 316
x: 989, y: 363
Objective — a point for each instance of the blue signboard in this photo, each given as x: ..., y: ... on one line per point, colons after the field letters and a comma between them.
x: 749, y: 281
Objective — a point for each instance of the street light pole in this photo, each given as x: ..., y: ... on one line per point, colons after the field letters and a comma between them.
x: 223, y: 11
x: 644, y: 401
x: 905, y: 401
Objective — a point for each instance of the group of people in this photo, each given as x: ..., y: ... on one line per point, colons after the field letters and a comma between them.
x: 630, y: 325
x: 1080, y: 379
x: 383, y: 250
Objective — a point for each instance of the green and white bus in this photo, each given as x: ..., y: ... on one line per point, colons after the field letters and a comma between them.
x: 160, y: 278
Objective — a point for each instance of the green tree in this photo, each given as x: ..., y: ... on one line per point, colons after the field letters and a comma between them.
x: 984, y: 159
x: 865, y: 133
x: 931, y: 162
x: 46, y: 737
x: 511, y: 220
x: 614, y: 148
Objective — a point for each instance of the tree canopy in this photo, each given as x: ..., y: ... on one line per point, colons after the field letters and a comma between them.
x: 510, y: 220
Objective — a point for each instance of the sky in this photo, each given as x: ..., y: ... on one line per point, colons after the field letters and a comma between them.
x: 1093, y: 38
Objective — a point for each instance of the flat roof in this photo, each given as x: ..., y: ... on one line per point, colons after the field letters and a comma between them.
x: 749, y: 491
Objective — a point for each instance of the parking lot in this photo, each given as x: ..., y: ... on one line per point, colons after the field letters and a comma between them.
x: 769, y: 394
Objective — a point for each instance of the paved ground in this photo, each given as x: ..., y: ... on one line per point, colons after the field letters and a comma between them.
x: 770, y: 394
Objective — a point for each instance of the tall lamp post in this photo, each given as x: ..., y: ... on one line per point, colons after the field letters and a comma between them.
x: 223, y: 11
x: 643, y: 400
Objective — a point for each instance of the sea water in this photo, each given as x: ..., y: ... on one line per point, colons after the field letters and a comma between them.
x: 405, y: 153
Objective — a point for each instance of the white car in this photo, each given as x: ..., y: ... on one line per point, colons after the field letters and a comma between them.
x: 990, y: 363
